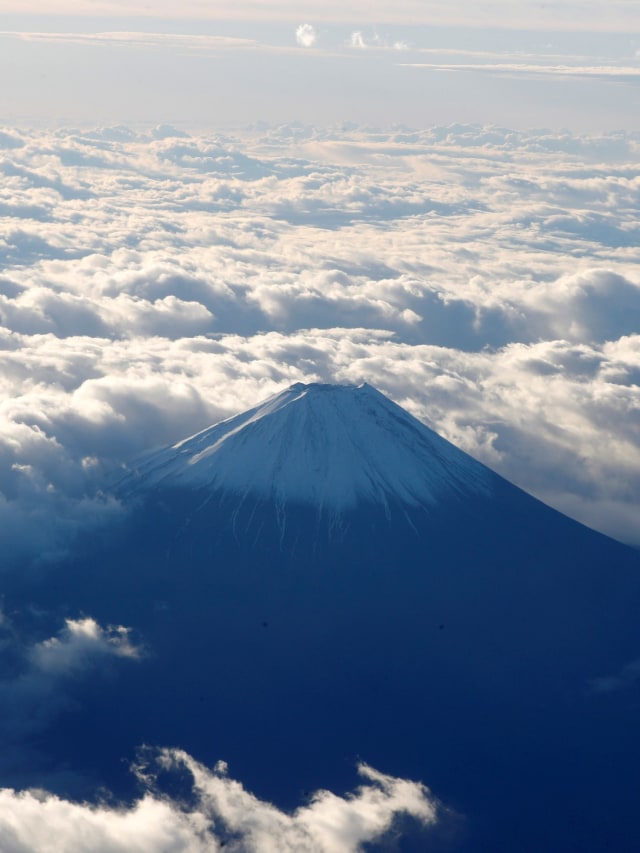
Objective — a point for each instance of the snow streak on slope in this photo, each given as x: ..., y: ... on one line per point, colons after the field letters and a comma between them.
x: 330, y: 446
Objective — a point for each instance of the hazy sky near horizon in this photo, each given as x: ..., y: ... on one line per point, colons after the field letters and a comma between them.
x: 618, y: 14
x: 564, y: 65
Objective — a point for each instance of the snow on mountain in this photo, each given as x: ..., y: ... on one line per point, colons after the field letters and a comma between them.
x: 330, y: 446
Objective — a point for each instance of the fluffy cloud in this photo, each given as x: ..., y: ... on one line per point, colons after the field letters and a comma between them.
x: 35, y: 822
x: 81, y: 641
x: 224, y: 816
x: 306, y: 35
x: 153, y: 282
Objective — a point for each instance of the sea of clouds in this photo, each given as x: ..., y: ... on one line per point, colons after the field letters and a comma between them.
x: 154, y: 282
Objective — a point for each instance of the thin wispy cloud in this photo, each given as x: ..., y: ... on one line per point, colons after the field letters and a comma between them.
x: 609, y: 72
x: 135, y: 40
x: 625, y: 679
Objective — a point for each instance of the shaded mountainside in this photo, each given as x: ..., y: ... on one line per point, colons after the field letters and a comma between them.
x: 357, y: 588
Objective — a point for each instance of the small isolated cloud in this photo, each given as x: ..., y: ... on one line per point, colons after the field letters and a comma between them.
x: 36, y: 690
x: 43, y: 680
x: 306, y: 35
x: 223, y: 816
x: 80, y: 643
x: 371, y: 38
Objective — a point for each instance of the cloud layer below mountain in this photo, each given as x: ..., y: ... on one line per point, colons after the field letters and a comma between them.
x: 152, y: 283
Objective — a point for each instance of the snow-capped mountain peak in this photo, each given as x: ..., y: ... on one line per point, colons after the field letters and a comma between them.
x: 330, y: 446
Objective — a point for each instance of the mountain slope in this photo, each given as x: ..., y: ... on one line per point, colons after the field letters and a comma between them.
x: 323, y: 579
x: 327, y: 446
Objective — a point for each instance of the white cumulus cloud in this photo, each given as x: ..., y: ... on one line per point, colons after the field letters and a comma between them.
x: 306, y: 35
x: 79, y: 644
x: 224, y: 816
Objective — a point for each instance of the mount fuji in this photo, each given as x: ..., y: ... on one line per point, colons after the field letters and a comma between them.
x: 324, y: 579
x: 330, y: 447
